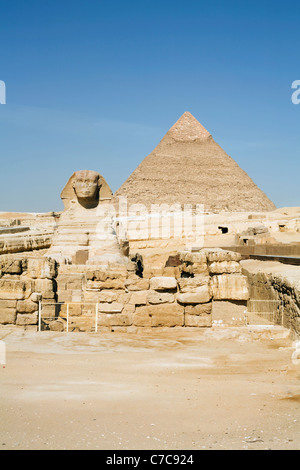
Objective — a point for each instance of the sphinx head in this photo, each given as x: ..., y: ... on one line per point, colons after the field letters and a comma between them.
x: 86, y: 185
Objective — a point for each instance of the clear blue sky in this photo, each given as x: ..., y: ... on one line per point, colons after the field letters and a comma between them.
x: 96, y: 84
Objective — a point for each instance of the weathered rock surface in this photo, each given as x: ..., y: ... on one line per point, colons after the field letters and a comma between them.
x: 199, y: 321
x: 200, y: 295
x: 224, y: 267
x: 155, y: 297
x: 14, y: 289
x: 169, y: 315
x: 26, y: 306
x: 201, y: 309
x: 227, y: 286
x: 163, y: 283
x: 27, y: 319
x: 8, y: 316
x: 191, y: 284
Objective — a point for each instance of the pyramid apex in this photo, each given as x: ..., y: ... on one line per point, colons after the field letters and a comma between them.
x: 187, y: 113
x: 188, y: 129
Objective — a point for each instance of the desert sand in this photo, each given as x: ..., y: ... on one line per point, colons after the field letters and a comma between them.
x: 169, y: 389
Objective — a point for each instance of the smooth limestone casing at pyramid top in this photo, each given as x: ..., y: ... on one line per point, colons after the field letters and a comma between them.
x: 189, y: 167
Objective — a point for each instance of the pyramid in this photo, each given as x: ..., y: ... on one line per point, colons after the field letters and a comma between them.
x: 189, y: 167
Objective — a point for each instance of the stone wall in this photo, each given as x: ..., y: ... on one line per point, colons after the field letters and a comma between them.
x: 181, y: 294
x: 277, y: 295
x: 23, y: 283
x: 23, y: 242
x: 22, y: 232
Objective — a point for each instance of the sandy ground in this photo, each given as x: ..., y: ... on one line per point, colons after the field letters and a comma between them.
x: 220, y: 388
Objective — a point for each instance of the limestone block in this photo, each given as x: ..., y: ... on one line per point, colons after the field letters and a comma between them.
x: 219, y: 255
x: 114, y: 307
x: 77, y: 295
x: 200, y: 309
x: 230, y: 287
x: 107, y: 284
x: 75, y: 310
x: 117, y: 319
x: 7, y: 304
x: 131, y: 267
x: 139, y: 297
x: 56, y: 325
x: 49, y: 311
x: 35, y: 297
x: 70, y: 282
x: 26, y: 306
x: 171, y: 271
x: 191, y: 258
x: 129, y: 308
x: 44, y: 287
x: 190, y: 284
x: 102, y: 275
x: 152, y: 272
x: 155, y: 297
x: 91, y: 296
x: 117, y: 271
x: 199, y: 321
x: 169, y: 315
x: 108, y: 296
x: 19, y: 243
x: 256, y: 230
x: 202, y: 295
x: 14, y: 289
x: 75, y: 283
x: 224, y: 267
x: 11, y: 266
x: 41, y: 268
x: 8, y: 316
x: 193, y: 269
x: 137, y: 284
x: 162, y: 283
x: 199, y: 269
x: 63, y: 296
x: 96, y: 275
x: 24, y: 319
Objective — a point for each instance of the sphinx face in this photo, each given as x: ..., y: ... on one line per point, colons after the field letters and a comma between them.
x: 86, y: 186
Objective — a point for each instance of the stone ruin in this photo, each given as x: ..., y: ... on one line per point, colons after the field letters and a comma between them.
x: 124, y: 298
x: 87, y: 266
x: 74, y: 271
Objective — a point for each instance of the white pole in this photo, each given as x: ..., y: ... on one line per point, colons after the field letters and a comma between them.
x: 67, y: 318
x: 40, y: 315
x: 96, y: 320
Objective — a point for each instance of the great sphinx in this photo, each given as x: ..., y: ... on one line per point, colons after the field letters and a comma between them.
x: 85, y: 233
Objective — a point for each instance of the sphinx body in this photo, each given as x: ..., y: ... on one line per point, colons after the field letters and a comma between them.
x: 85, y: 232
